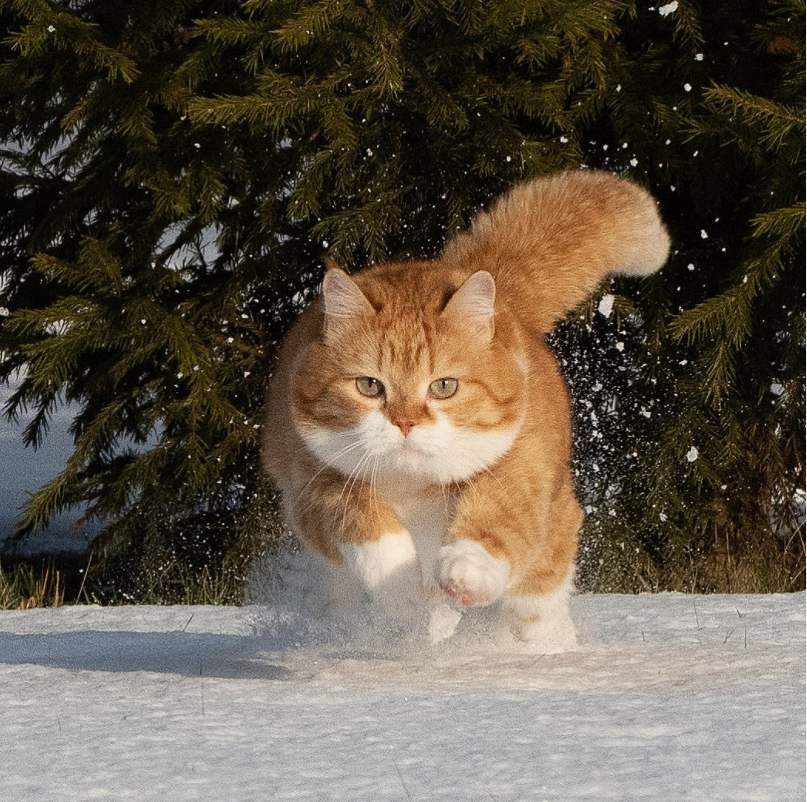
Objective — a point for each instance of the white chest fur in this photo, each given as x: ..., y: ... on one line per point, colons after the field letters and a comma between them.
x: 427, y: 519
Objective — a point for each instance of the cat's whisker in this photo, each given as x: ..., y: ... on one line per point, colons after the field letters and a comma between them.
x: 372, y: 483
x: 357, y: 476
x: 348, y: 478
x: 446, y: 493
x: 351, y: 474
x: 347, y: 433
x: 346, y: 450
x: 352, y: 478
x: 489, y: 471
x: 472, y: 485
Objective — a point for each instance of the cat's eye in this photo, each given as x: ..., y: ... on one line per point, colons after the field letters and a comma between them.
x: 369, y: 386
x: 443, y: 388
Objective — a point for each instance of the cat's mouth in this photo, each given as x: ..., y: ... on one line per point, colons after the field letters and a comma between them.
x: 406, y: 454
x: 410, y: 446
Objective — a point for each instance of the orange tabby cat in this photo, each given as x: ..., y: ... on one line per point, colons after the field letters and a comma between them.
x: 418, y: 427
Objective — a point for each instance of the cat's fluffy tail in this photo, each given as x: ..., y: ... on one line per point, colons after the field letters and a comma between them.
x: 549, y: 242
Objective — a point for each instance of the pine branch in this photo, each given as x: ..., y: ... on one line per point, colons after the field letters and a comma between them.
x: 775, y: 122
x: 784, y: 223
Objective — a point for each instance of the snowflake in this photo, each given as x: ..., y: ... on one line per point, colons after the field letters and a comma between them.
x: 606, y: 305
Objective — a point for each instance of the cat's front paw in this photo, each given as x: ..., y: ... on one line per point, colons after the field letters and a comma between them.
x: 389, y: 571
x: 469, y: 574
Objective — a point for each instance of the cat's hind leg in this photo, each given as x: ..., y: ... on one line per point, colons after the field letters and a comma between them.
x: 541, y: 619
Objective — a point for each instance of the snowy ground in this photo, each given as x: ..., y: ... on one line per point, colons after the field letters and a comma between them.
x: 669, y: 697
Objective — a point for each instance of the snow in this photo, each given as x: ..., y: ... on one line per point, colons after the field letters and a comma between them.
x: 606, y: 305
x: 668, y: 697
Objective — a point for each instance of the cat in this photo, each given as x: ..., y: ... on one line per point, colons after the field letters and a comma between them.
x: 418, y: 426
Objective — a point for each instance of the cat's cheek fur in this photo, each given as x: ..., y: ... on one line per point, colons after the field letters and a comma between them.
x: 471, y: 575
x: 345, y: 449
x: 389, y: 570
x: 464, y: 452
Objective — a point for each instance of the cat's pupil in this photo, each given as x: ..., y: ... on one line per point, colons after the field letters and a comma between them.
x: 443, y: 388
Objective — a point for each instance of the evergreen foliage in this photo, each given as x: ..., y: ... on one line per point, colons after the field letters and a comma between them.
x: 172, y: 175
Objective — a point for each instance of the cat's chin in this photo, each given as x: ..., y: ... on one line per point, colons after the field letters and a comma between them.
x: 407, y: 462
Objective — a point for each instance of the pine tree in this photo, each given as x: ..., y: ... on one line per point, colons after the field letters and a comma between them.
x: 120, y: 232
x: 173, y: 175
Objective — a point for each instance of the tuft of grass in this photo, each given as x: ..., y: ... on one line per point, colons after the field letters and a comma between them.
x: 23, y: 587
x: 177, y: 582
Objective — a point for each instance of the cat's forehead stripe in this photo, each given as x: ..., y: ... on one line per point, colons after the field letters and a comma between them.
x: 404, y: 345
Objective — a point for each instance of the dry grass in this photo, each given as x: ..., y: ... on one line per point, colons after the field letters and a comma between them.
x: 23, y: 587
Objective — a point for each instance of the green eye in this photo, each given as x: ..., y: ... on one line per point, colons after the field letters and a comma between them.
x: 369, y: 386
x: 443, y: 388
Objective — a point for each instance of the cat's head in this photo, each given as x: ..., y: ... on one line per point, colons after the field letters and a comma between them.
x: 410, y: 375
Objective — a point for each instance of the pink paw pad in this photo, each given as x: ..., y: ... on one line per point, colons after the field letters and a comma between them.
x: 464, y: 596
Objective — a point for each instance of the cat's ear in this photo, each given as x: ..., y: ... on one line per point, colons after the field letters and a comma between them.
x: 473, y: 303
x: 341, y: 299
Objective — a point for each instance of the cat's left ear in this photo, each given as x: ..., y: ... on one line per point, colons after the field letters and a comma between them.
x: 473, y: 303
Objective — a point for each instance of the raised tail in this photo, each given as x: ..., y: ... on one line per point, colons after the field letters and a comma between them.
x: 549, y: 242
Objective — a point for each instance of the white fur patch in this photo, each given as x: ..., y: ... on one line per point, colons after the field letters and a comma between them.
x: 388, y: 568
x: 437, y: 453
x: 346, y: 450
x: 456, y: 454
x: 375, y: 562
x: 544, y: 622
x: 468, y: 567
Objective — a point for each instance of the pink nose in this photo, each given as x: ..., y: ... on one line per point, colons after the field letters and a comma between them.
x: 405, y: 426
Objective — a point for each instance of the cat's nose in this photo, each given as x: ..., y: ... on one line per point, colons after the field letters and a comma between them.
x: 405, y: 426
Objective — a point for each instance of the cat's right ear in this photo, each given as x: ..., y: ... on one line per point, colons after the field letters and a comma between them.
x: 342, y: 300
